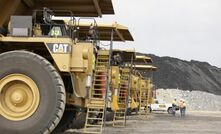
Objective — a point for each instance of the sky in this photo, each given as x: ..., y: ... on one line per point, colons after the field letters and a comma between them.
x: 185, y: 29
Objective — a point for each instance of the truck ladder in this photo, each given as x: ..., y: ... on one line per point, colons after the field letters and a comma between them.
x: 120, y: 114
x: 96, y: 105
x: 143, y: 100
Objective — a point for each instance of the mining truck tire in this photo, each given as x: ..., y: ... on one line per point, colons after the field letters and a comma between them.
x: 79, y: 121
x: 66, y: 121
x: 109, y: 116
x: 32, y: 94
x: 70, y: 120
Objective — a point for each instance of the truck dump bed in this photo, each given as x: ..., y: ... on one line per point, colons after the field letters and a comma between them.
x: 121, y: 33
x: 88, y: 8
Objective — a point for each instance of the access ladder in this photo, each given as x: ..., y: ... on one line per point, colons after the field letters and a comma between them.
x: 120, y: 114
x: 143, y: 99
x: 96, y: 104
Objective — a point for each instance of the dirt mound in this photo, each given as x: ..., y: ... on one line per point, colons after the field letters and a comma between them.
x: 191, y: 75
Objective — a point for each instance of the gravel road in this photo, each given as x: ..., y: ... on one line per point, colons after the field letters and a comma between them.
x: 163, y: 123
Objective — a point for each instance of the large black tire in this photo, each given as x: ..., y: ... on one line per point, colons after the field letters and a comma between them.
x: 66, y: 121
x: 51, y: 89
x: 79, y: 121
x: 70, y: 120
x: 109, y: 116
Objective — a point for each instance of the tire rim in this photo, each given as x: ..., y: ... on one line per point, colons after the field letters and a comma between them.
x: 19, y: 97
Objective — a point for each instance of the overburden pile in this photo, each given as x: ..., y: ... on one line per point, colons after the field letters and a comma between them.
x: 191, y: 75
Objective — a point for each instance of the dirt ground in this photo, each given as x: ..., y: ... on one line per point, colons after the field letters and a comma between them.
x: 163, y: 123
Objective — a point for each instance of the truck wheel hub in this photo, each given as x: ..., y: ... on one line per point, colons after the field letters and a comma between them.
x: 19, y: 97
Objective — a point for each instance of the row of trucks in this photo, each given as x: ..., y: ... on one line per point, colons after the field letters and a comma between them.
x: 55, y: 73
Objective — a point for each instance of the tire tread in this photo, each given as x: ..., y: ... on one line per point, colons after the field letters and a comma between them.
x: 60, y: 90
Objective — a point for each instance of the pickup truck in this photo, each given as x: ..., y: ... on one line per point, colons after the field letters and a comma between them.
x: 160, y: 105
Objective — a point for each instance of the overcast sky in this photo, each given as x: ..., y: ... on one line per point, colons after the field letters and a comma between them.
x: 185, y: 29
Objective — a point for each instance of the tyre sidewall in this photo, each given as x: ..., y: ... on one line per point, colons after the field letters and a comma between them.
x: 31, y: 66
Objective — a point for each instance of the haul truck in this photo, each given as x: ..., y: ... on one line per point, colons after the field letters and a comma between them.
x: 92, y: 119
x: 145, y: 86
x: 41, y: 59
x: 119, y: 81
x: 121, y: 84
x: 135, y: 79
x: 140, y: 84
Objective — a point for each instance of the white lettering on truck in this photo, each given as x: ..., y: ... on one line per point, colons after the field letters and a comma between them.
x: 60, y: 48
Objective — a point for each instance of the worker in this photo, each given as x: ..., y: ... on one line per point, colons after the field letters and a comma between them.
x: 182, y: 106
x: 92, y: 35
x: 174, y: 105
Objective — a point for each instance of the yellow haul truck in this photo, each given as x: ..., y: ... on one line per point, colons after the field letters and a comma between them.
x: 145, y: 86
x: 40, y: 62
x: 120, y: 84
x: 105, y: 32
x: 136, y: 82
x: 134, y: 92
x: 140, y: 85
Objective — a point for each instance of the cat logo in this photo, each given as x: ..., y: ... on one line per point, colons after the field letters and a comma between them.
x: 59, y: 48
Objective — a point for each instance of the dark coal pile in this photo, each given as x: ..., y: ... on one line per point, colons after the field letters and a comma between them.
x: 191, y: 75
